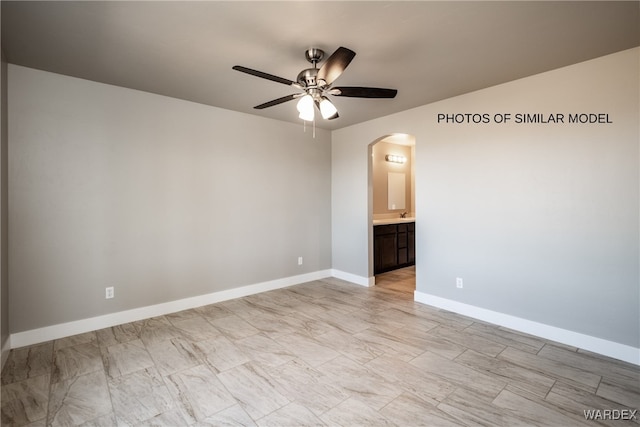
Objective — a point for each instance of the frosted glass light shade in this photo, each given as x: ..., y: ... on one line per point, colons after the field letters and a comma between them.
x: 305, y: 108
x: 327, y: 109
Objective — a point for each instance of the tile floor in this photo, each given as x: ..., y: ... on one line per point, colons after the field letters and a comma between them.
x: 401, y: 280
x: 321, y: 353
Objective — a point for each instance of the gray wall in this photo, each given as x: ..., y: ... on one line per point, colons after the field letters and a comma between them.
x: 4, y: 252
x: 540, y: 220
x: 161, y: 198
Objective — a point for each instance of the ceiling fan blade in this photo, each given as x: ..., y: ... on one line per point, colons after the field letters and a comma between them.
x: 335, y: 65
x: 264, y: 75
x: 278, y: 101
x: 363, y: 92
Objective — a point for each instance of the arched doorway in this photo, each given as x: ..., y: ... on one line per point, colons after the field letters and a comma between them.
x: 391, y: 211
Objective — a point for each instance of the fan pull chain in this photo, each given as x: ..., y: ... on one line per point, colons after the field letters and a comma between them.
x: 304, y: 124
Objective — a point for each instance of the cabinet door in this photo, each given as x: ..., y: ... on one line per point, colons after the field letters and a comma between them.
x: 403, y: 250
x: 385, y: 250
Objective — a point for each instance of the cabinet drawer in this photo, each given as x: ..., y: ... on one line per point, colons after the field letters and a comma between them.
x: 385, y: 229
x: 403, y: 240
x: 404, y: 228
x: 403, y: 256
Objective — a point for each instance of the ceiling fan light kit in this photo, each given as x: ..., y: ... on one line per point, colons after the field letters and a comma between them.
x: 305, y: 108
x: 327, y: 109
x: 316, y: 83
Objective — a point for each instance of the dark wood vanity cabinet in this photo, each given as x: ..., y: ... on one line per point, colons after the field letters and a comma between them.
x: 393, y: 246
x: 385, y: 247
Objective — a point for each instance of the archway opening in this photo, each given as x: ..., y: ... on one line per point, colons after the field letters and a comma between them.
x: 392, y: 212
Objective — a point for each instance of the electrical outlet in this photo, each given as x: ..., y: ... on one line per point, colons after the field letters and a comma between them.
x: 108, y: 292
x: 299, y: 260
x: 459, y: 283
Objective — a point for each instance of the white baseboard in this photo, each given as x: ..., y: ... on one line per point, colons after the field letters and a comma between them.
x: 564, y: 336
x: 62, y: 330
x: 586, y: 342
x: 358, y: 280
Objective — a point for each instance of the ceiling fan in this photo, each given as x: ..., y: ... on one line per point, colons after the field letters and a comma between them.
x: 316, y: 83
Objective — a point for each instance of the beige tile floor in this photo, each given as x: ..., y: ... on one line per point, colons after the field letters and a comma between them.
x: 321, y: 353
x: 401, y: 280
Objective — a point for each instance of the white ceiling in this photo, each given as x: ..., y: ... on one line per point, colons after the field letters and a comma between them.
x: 427, y: 50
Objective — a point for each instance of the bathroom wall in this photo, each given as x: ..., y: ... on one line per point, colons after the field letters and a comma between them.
x: 380, y: 171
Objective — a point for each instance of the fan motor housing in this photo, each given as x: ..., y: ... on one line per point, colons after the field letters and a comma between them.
x: 307, y: 78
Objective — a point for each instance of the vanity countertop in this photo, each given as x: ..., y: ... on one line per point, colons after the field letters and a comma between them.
x: 387, y: 221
